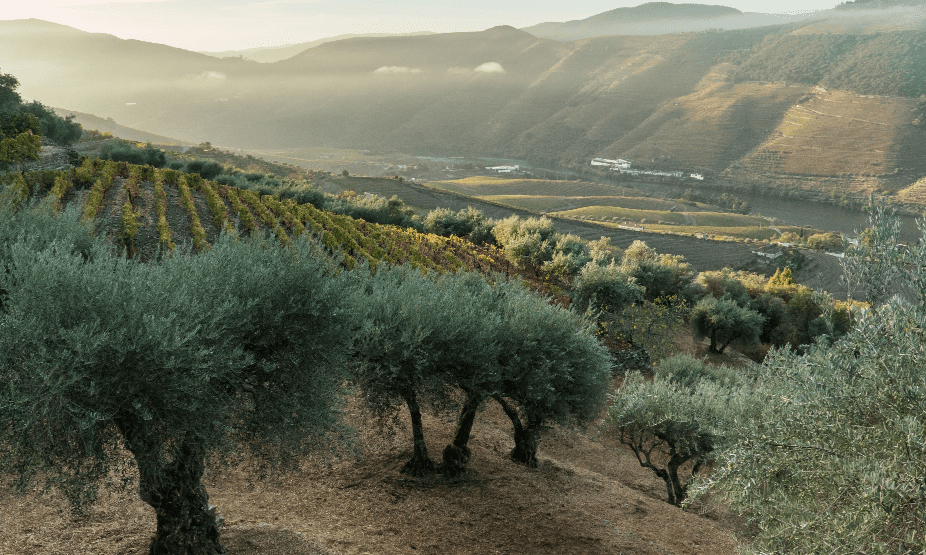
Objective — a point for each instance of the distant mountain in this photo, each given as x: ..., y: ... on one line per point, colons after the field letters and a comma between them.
x: 879, y: 4
x: 710, y: 102
x: 270, y: 54
x: 658, y: 18
x: 63, y: 66
x: 108, y: 125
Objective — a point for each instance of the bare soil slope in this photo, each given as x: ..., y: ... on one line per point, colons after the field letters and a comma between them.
x: 587, y: 497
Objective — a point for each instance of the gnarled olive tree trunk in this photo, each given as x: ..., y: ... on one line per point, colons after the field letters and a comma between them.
x: 457, y: 455
x: 526, y: 435
x: 420, y: 463
x: 185, y: 525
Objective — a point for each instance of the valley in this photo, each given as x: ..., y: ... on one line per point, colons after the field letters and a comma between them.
x: 746, y: 108
x: 402, y: 290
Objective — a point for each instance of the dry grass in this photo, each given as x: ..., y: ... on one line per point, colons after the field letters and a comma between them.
x: 837, y: 144
x: 589, y: 496
x: 538, y: 203
x: 708, y: 129
x: 491, y: 186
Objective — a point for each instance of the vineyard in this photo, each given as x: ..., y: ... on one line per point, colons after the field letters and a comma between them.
x: 611, y: 206
x: 150, y: 212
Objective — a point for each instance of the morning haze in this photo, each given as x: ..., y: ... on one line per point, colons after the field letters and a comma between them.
x: 459, y: 278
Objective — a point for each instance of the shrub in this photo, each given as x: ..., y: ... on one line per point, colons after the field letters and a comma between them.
x: 62, y: 131
x: 723, y: 321
x: 125, y: 152
x: 204, y: 168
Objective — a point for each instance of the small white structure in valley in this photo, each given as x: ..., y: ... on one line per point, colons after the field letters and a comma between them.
x: 612, y: 164
x: 505, y: 169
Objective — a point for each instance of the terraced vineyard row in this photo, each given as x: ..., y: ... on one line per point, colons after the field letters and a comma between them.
x: 185, y: 209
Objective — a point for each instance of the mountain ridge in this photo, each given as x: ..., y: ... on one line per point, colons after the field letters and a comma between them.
x: 657, y: 18
x: 270, y: 54
x: 713, y: 103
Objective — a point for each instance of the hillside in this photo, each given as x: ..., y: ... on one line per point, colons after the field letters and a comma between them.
x: 588, y: 496
x: 656, y: 18
x: 877, y: 4
x: 108, y: 125
x: 711, y: 102
x: 149, y: 212
x: 270, y: 54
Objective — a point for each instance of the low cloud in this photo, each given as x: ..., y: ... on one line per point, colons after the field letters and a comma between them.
x: 490, y: 67
x: 212, y: 76
x: 397, y: 70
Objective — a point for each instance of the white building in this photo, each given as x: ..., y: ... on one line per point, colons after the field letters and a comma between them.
x: 613, y: 164
x: 505, y: 169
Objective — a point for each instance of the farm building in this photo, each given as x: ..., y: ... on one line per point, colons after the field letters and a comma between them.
x: 505, y: 169
x: 612, y: 164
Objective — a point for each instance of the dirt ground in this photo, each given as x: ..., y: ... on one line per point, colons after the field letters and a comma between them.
x: 589, y: 496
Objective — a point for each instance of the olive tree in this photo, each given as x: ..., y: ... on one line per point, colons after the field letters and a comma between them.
x: 871, y: 267
x: 682, y: 415
x: 545, y: 366
x: 174, y: 361
x: 527, y: 242
x: 423, y: 335
x: 469, y: 223
x: 723, y: 321
x: 660, y: 275
x: 604, y: 289
x: 834, y: 459
x: 554, y: 370
x: 570, y: 255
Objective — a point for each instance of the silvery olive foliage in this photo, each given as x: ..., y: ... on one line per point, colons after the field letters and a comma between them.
x: 423, y: 334
x: 176, y: 360
x: 834, y: 458
x: 873, y: 266
x: 677, y: 421
x: 427, y: 338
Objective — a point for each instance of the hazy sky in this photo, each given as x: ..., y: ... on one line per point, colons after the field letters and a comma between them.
x: 237, y: 24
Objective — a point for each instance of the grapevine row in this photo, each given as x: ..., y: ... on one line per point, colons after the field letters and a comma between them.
x: 356, y: 239
x: 196, y: 227
x: 244, y: 215
x: 160, y: 206
x: 100, y: 186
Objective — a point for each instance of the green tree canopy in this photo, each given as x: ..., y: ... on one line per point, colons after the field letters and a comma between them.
x: 9, y: 98
x: 554, y: 369
x: 20, y: 138
x: 684, y: 414
x: 237, y: 348
x: 526, y: 242
x: 423, y: 334
x: 605, y: 290
x: 834, y: 455
x: 660, y: 275
x: 724, y: 321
